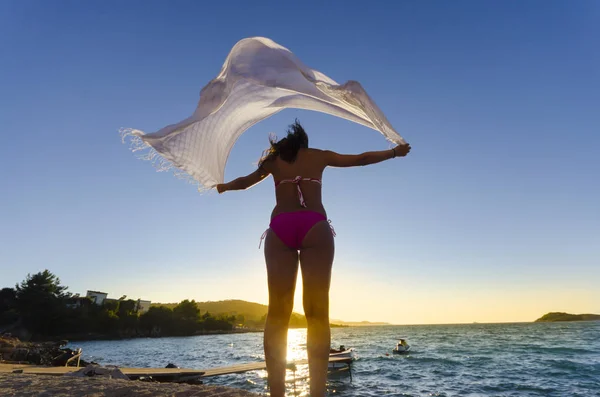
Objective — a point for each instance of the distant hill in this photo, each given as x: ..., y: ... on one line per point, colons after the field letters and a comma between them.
x: 254, y: 313
x: 251, y: 310
x: 558, y: 316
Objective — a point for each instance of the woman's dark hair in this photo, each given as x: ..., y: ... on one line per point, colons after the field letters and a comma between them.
x: 287, y: 148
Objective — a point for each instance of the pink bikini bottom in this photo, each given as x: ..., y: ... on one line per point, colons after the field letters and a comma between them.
x: 292, y: 227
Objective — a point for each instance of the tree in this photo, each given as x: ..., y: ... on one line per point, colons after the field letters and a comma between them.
x: 8, y: 299
x: 40, y: 301
x: 187, y: 310
x: 43, y: 284
x: 111, y: 305
x: 127, y: 307
x: 240, y: 319
x: 186, y: 315
x: 158, y: 320
x: 128, y: 317
x: 8, y: 306
x: 220, y: 322
x: 107, y: 322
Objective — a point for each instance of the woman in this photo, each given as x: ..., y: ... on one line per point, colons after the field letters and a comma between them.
x: 299, y: 231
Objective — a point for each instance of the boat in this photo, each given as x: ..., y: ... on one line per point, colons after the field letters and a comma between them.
x: 341, y: 353
x: 402, y: 347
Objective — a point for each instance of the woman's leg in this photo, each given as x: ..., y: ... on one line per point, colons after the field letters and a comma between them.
x: 282, y: 270
x: 316, y: 260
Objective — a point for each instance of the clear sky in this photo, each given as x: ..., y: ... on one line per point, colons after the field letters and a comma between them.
x: 494, y: 216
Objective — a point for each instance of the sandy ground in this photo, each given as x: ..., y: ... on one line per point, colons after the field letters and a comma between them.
x: 27, y: 385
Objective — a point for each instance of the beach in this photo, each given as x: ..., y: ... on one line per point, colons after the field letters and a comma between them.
x: 57, y: 386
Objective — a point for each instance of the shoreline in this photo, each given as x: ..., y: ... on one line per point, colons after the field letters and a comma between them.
x: 98, y: 337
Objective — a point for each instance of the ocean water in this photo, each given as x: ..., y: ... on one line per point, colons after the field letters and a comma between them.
x: 524, y: 359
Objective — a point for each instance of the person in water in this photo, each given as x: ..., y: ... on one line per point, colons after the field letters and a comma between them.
x: 299, y: 232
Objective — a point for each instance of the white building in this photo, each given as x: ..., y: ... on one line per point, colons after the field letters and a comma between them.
x: 142, y: 306
x: 96, y: 296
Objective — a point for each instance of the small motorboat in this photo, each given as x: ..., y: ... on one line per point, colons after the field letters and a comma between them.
x: 402, y: 347
x: 344, y: 357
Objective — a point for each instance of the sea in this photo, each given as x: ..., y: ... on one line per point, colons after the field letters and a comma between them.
x: 520, y: 359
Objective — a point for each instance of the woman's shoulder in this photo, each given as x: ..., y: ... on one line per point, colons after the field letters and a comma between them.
x: 319, y: 153
x: 313, y: 151
x: 314, y: 155
x: 269, y: 164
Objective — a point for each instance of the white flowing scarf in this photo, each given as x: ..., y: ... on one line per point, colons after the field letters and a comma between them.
x: 259, y: 78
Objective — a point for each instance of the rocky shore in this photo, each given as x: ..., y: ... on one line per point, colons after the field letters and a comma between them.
x: 26, y: 385
x: 15, y: 354
x: 12, y: 350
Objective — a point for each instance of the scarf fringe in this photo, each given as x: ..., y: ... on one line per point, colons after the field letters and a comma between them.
x: 133, y: 138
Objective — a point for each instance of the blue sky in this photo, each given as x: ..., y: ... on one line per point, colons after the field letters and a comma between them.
x: 493, y: 216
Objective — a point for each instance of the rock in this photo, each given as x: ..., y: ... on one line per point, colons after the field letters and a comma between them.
x: 39, y: 353
x: 95, y: 370
x: 7, y: 351
x: 19, y: 354
x: 9, y: 342
x: 34, y: 357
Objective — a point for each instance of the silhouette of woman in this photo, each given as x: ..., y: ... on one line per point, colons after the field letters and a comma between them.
x: 299, y: 232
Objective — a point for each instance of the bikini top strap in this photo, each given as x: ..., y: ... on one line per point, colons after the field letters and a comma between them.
x: 297, y: 181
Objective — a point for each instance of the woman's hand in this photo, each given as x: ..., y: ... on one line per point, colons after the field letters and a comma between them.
x: 402, y: 150
x: 221, y: 188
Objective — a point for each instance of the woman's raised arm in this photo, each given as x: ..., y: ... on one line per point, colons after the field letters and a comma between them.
x: 244, y: 182
x: 334, y: 159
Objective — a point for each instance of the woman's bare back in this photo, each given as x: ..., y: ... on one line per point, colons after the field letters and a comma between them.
x: 309, y: 163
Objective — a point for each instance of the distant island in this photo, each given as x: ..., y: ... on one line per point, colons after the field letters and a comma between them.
x: 559, y: 316
x: 357, y: 323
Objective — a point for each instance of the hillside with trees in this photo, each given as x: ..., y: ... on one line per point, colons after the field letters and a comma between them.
x: 41, y: 308
x: 559, y: 316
